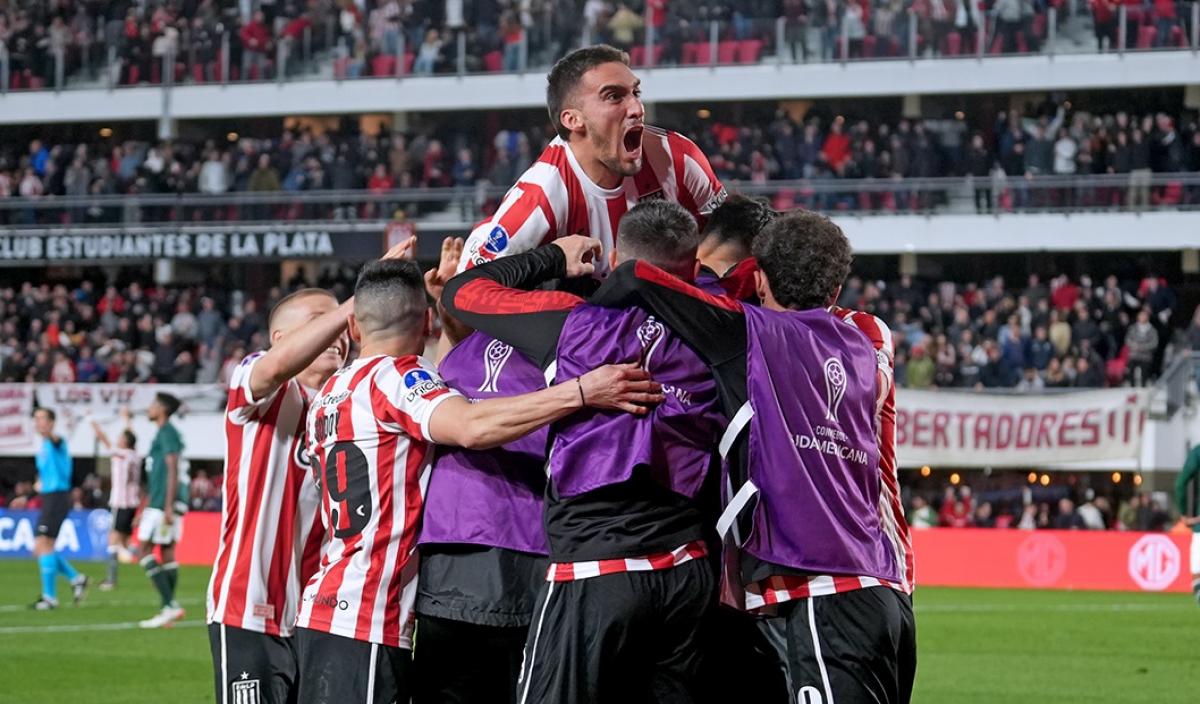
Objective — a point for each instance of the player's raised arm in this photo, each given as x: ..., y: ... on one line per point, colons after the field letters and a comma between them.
x: 493, y: 422
x: 290, y: 354
x: 495, y: 298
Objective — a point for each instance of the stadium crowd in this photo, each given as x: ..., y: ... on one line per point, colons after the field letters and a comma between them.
x: 1005, y: 159
x: 361, y: 38
x: 983, y: 335
x: 1036, y: 508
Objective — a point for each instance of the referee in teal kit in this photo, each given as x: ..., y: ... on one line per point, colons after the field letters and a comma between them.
x: 54, y: 472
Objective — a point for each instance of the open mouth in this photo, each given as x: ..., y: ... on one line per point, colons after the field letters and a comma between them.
x: 633, y: 141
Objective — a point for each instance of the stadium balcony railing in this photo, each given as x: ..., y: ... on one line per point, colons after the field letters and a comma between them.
x: 1062, y: 28
x: 910, y: 196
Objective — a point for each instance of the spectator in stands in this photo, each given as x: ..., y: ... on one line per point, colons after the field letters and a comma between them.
x: 922, y: 515
x: 1067, y: 518
x: 1142, y: 341
x: 256, y: 45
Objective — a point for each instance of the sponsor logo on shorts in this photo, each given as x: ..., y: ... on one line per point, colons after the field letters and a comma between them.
x: 245, y: 691
x: 265, y: 611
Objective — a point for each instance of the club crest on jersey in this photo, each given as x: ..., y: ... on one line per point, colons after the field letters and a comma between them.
x: 835, y: 387
x: 494, y: 359
x: 421, y: 383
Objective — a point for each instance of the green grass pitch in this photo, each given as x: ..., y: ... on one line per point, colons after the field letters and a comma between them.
x: 976, y: 645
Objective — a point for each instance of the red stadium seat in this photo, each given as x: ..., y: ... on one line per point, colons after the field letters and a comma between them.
x: 1178, y: 38
x: 1039, y: 24
x: 1146, y: 36
x: 1114, y: 369
x: 727, y: 52
x: 870, y: 45
x: 750, y: 50
x: 493, y: 62
x: 695, y: 53
x: 784, y: 200
x: 953, y: 44
x: 135, y: 75
x: 155, y: 73
x: 383, y: 65
x: 1172, y: 194
x: 637, y: 55
x: 198, y: 73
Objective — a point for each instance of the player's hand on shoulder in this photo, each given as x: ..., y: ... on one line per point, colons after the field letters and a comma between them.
x: 581, y: 254
x: 436, y: 278
x: 620, y: 387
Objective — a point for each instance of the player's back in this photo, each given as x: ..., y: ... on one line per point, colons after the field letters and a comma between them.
x: 368, y: 434
x: 269, y: 513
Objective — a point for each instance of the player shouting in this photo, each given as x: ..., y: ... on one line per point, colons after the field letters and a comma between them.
x: 370, y: 430
x: 270, y: 531
x: 604, y: 161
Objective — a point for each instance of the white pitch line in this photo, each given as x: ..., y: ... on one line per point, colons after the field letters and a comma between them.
x: 1035, y: 608
x: 79, y: 628
x: 148, y: 603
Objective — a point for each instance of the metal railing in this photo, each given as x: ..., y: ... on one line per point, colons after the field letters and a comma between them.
x: 323, y: 52
x: 927, y: 196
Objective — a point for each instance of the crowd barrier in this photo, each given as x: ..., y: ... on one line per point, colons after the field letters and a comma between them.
x: 946, y: 557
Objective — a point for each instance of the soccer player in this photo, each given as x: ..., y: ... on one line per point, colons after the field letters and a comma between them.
x: 726, y: 255
x: 813, y: 499
x: 620, y: 611
x: 604, y: 161
x: 161, y: 522
x: 1187, y: 497
x: 271, y: 532
x: 54, y: 474
x: 370, y: 431
x: 124, y: 495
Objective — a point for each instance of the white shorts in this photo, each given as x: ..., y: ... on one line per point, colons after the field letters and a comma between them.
x: 1195, y: 553
x: 151, y: 528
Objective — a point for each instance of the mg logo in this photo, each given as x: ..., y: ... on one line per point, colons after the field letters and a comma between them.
x: 1154, y: 562
x: 1041, y: 560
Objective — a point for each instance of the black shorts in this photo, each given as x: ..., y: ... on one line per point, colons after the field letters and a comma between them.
x: 455, y: 662
x: 624, y: 638
x: 738, y: 642
x: 55, y: 507
x: 335, y: 669
x: 251, y: 667
x: 480, y: 585
x: 122, y: 520
x: 857, y: 647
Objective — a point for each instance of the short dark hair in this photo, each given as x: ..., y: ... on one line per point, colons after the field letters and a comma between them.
x: 569, y: 70
x: 390, y: 293
x: 170, y: 403
x: 738, y: 221
x: 660, y: 232
x: 48, y: 411
x: 130, y: 438
x: 805, y: 258
x: 294, y: 296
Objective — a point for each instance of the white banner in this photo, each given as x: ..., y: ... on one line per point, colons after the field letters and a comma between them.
x: 199, y: 418
x: 964, y: 429
x: 16, y: 404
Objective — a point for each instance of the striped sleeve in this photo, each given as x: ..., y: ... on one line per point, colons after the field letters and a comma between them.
x: 524, y: 220
x: 880, y: 336
x: 242, y: 407
x: 406, y: 392
x: 700, y: 191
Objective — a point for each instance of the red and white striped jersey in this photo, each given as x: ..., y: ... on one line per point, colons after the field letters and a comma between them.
x: 575, y: 571
x: 270, y: 531
x: 555, y: 198
x: 781, y: 588
x: 125, y: 470
x: 368, y: 432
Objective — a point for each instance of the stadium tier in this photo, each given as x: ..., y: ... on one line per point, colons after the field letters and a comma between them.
x: 638, y: 350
